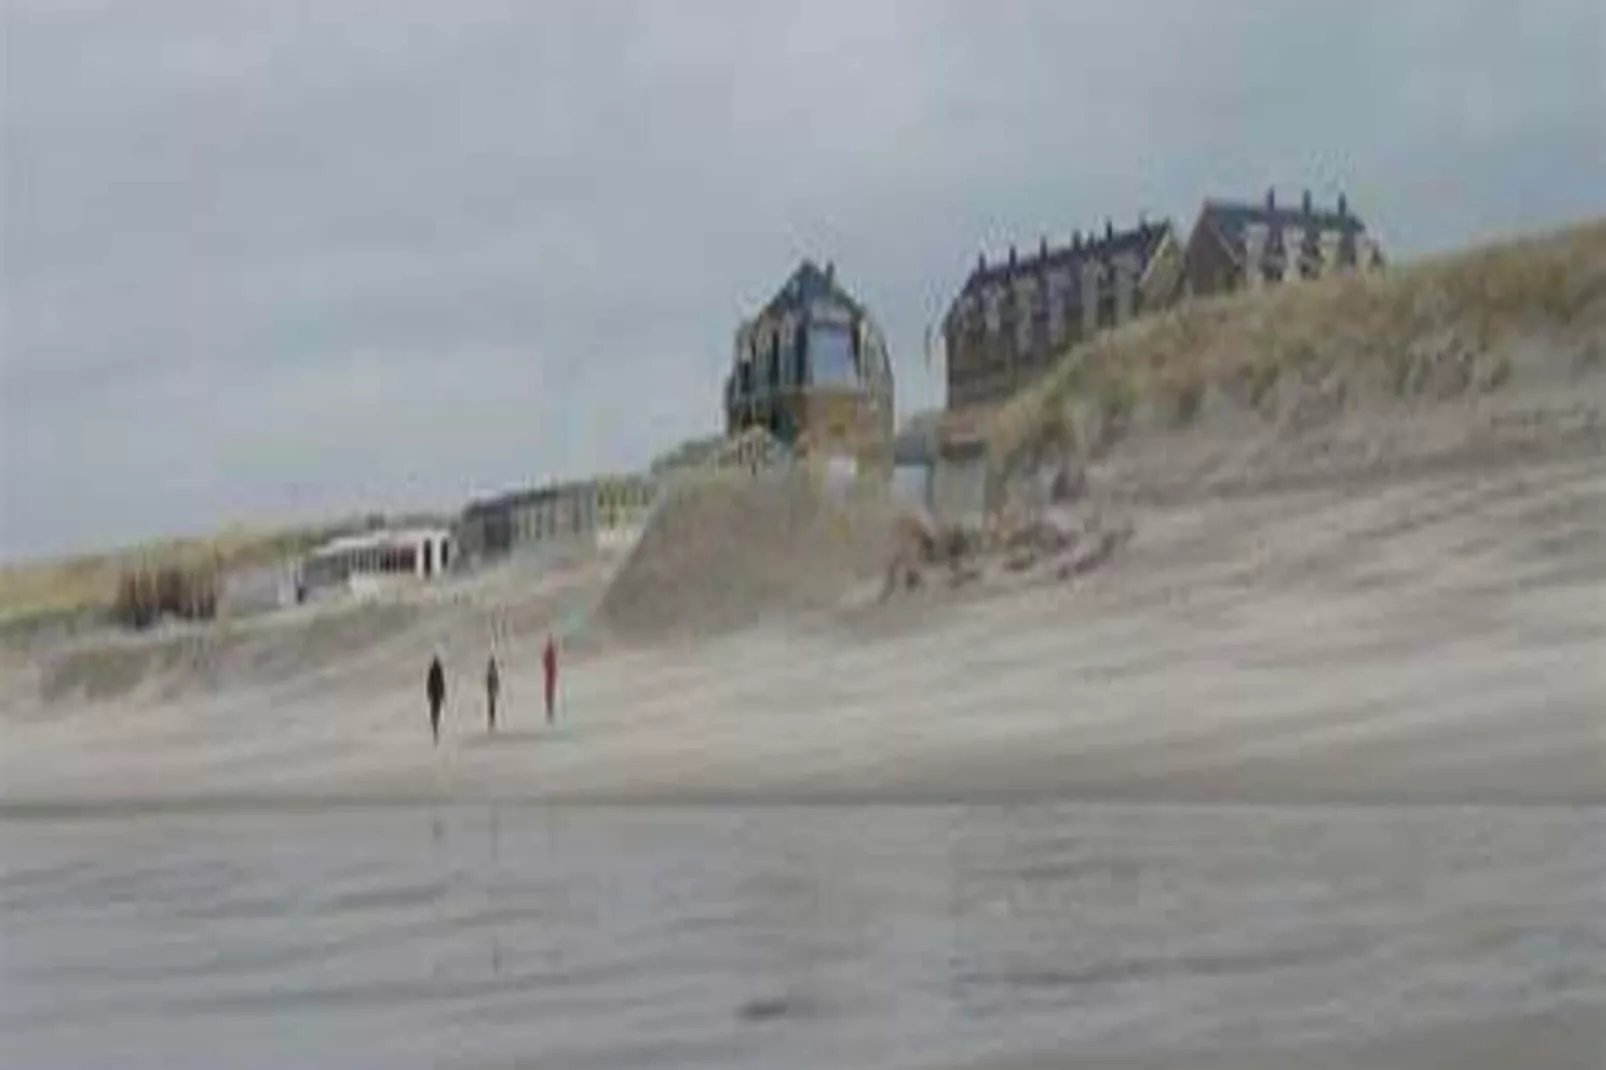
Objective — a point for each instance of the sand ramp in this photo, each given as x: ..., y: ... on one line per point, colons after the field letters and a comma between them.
x: 722, y: 552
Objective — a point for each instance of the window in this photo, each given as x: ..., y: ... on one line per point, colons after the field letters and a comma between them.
x: 830, y: 353
x: 1057, y: 299
x: 775, y: 361
x: 800, y: 364
x: 1025, y: 314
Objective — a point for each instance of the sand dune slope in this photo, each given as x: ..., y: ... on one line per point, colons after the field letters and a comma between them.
x: 722, y: 553
x: 1436, y: 640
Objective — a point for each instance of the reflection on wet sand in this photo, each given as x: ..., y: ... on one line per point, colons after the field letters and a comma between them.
x: 516, y: 934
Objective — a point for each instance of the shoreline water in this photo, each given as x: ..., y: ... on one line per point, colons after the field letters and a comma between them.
x: 940, y: 938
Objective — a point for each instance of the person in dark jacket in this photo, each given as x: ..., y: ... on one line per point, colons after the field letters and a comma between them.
x: 493, y: 688
x: 549, y: 670
x: 435, y: 688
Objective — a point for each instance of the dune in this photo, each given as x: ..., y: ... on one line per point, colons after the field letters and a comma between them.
x: 72, y: 590
x: 1449, y: 335
x: 1345, y: 583
x: 721, y: 552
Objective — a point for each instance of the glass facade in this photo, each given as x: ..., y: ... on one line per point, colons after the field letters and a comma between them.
x: 821, y: 355
x: 810, y: 337
x: 830, y: 354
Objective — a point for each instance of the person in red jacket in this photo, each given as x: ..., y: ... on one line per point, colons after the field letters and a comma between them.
x: 549, y: 667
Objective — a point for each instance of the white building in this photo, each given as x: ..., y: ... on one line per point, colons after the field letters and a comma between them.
x: 374, y: 561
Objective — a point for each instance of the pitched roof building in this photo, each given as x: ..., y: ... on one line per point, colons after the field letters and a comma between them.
x: 1016, y: 317
x: 1237, y: 245
x: 812, y: 369
x: 1012, y: 319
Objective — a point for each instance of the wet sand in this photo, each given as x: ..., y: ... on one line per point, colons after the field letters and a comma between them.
x: 1573, y: 1038
x: 505, y: 935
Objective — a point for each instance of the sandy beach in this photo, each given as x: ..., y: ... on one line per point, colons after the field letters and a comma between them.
x: 1558, y: 1040
x: 1414, y: 638
x: 1309, y: 769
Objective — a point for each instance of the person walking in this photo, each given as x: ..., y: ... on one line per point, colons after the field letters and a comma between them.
x: 435, y: 689
x: 493, y: 688
x: 549, y: 668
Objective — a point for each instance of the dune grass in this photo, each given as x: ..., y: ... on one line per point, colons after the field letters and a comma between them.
x: 89, y: 582
x: 1430, y: 328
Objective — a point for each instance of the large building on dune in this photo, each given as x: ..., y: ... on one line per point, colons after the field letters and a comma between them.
x: 1238, y: 245
x: 811, y: 369
x: 1013, y: 318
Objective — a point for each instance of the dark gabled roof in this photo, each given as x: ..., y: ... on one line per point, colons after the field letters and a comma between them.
x: 807, y: 285
x: 1230, y: 219
x: 1142, y: 240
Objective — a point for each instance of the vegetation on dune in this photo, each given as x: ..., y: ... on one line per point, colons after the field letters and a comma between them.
x: 147, y: 594
x: 101, y: 583
x: 120, y: 580
x: 1439, y: 328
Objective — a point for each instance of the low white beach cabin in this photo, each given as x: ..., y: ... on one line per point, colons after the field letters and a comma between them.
x: 373, y: 561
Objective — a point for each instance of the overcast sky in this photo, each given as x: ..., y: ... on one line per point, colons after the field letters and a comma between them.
x: 267, y: 259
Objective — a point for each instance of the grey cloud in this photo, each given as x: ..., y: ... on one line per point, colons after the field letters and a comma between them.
x: 395, y: 251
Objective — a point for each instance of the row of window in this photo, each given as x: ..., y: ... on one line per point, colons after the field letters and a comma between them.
x: 1052, y: 329
x: 613, y: 507
x: 403, y: 560
x: 997, y: 306
x: 821, y: 355
x: 544, y: 522
x: 1275, y: 268
x: 1318, y: 246
x: 624, y: 496
x: 1055, y: 291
